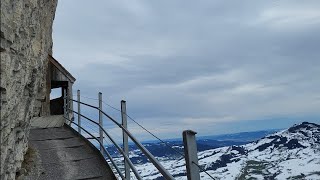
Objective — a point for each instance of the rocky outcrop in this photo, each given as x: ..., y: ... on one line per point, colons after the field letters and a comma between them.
x: 26, y: 41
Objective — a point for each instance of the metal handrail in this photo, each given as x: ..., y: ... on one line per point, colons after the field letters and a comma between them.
x: 134, y: 170
x: 89, y: 105
x: 105, y: 150
x: 153, y: 160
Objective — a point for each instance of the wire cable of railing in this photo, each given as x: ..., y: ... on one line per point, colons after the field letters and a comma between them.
x: 90, y: 98
x: 111, y: 106
x: 155, y: 136
x: 152, y: 134
x: 114, y: 135
x: 109, y: 145
x: 105, y: 139
x: 95, y: 131
x: 203, y: 170
x: 110, y: 132
x: 90, y: 126
x: 113, y: 129
x: 110, y: 158
x: 74, y: 94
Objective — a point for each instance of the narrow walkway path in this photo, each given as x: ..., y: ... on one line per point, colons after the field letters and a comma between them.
x: 65, y: 156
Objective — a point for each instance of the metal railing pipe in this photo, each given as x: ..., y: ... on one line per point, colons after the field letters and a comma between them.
x: 100, y: 122
x: 79, y: 117
x: 107, y: 153
x: 65, y: 103
x: 134, y: 170
x: 154, y: 161
x: 125, y: 138
x: 85, y: 117
x: 89, y: 105
x: 191, y: 156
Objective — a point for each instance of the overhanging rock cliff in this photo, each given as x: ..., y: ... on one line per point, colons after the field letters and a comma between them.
x: 26, y: 41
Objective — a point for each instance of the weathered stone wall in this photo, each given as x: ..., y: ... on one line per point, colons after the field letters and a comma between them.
x: 26, y: 41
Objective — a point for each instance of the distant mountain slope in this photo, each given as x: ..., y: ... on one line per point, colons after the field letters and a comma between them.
x: 242, y: 136
x: 293, y: 153
x: 203, y: 142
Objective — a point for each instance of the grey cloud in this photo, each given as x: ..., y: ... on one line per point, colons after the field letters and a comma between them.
x: 208, y: 61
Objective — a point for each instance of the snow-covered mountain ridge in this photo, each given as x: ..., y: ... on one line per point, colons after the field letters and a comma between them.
x: 289, y: 154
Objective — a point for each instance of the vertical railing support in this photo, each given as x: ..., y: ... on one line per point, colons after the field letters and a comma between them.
x: 65, y: 104
x: 125, y: 139
x: 79, y: 112
x: 101, y: 123
x: 191, y: 156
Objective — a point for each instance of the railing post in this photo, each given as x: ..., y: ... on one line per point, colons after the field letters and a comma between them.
x: 191, y: 156
x: 65, y: 106
x: 101, y: 123
x: 79, y: 117
x: 125, y: 139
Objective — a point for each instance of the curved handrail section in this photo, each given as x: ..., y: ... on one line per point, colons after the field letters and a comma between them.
x: 134, y: 170
x: 152, y: 159
x: 105, y: 150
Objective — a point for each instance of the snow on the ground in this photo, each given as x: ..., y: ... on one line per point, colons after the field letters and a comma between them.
x: 272, y: 157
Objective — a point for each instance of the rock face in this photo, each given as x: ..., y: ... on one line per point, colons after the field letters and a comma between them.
x: 26, y: 41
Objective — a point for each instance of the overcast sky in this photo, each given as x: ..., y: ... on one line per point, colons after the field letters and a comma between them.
x: 210, y: 66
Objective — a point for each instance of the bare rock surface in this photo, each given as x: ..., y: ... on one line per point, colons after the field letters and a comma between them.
x: 30, y: 169
x: 26, y: 41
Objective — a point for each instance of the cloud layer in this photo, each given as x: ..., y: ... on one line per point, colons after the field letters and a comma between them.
x: 196, y: 65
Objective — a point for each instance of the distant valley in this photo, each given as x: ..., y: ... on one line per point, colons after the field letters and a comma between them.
x: 293, y: 153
